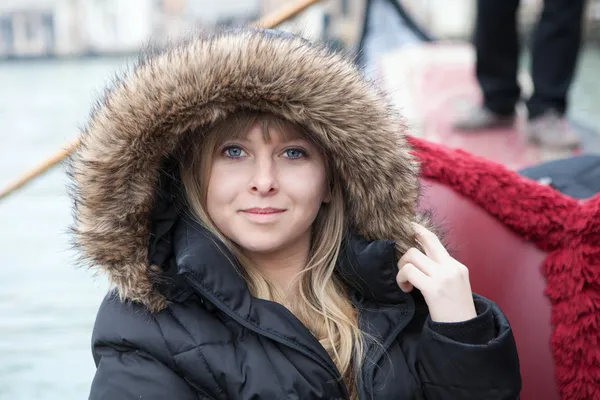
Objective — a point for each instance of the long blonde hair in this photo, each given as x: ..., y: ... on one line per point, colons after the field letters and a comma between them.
x: 323, y: 304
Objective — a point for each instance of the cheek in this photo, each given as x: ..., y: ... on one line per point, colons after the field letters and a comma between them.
x: 306, y: 185
x: 224, y: 185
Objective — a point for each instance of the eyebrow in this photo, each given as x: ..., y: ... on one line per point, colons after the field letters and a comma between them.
x: 284, y: 140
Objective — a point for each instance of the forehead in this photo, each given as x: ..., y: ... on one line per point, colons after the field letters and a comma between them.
x: 276, y: 133
x: 268, y: 129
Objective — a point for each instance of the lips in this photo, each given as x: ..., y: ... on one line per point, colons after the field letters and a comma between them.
x: 263, y: 211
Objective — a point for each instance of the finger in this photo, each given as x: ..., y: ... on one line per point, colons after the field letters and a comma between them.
x: 403, y: 282
x: 431, y: 244
x: 411, y: 274
x: 418, y: 259
x: 406, y: 287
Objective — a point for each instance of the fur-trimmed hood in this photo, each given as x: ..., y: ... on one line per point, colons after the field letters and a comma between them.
x: 143, y: 116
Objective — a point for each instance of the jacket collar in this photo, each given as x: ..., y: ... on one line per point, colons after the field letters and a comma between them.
x: 367, y: 267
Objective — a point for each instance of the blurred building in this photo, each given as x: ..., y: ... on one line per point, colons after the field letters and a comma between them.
x: 210, y: 12
x: 100, y: 27
x: 176, y: 17
x: 27, y: 27
x: 30, y: 28
x: 41, y: 28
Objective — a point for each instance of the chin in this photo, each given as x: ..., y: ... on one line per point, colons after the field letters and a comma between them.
x: 256, y: 244
x: 263, y: 239
x: 266, y: 239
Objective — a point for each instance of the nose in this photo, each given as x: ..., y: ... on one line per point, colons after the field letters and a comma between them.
x: 264, y: 177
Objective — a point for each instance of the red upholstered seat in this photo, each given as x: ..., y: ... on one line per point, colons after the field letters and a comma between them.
x: 507, y: 269
x: 532, y: 250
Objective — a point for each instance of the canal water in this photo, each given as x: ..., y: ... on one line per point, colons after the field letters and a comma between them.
x: 47, y: 304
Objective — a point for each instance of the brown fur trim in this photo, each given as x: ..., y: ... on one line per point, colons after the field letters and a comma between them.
x: 143, y: 116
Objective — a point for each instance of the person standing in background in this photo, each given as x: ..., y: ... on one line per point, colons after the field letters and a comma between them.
x: 555, y: 50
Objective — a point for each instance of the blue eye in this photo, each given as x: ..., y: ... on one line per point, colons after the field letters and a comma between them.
x: 233, y: 151
x: 295, y: 153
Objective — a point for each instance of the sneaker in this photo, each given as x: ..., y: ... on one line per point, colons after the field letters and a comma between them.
x: 550, y: 130
x: 478, y: 118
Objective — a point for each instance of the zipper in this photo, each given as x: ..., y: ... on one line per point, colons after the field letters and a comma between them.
x: 332, y: 370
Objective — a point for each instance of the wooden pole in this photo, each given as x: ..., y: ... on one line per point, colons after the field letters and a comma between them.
x: 268, y: 21
x: 42, y: 167
x: 286, y: 12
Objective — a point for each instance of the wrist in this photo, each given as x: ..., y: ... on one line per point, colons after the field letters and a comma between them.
x: 455, y: 315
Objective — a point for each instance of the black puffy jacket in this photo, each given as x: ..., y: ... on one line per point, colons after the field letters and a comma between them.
x: 181, y: 323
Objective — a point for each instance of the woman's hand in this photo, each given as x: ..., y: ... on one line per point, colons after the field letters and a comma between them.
x: 443, y: 281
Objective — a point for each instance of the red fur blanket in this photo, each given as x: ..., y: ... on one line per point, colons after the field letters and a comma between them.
x: 568, y: 229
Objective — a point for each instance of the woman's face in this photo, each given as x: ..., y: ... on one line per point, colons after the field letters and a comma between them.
x: 265, y: 195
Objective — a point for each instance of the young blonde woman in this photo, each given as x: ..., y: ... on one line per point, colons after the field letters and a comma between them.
x: 253, y: 201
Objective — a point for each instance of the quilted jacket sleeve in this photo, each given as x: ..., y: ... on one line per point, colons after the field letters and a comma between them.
x: 131, y: 357
x: 475, y: 359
